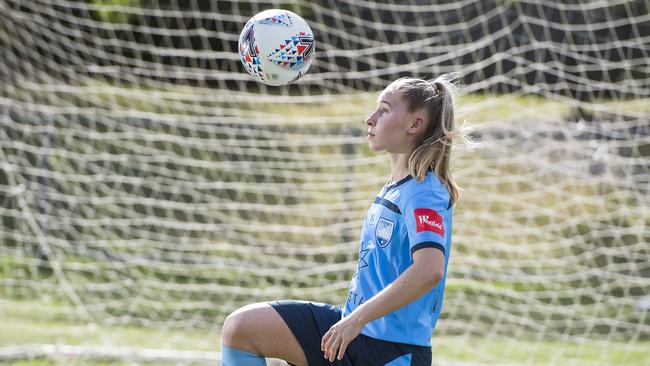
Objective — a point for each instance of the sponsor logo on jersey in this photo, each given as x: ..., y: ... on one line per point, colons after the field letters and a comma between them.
x: 384, y: 231
x: 427, y: 219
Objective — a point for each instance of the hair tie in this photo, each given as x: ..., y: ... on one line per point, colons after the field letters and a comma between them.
x: 435, y: 87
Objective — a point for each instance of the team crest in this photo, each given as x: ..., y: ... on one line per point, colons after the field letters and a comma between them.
x: 384, y: 231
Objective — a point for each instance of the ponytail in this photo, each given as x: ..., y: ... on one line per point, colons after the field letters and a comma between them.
x: 432, y: 150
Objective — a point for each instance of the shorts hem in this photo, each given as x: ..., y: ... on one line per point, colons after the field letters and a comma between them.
x: 314, y: 356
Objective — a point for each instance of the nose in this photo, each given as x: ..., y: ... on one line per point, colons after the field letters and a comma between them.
x: 371, y: 120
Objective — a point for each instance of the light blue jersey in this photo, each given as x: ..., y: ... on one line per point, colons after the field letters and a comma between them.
x: 405, y: 217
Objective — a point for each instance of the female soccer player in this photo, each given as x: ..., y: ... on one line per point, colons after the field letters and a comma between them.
x: 395, y: 296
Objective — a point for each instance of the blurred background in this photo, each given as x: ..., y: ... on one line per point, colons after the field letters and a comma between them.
x: 149, y: 186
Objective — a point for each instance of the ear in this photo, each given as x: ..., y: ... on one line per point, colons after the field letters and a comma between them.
x: 417, y: 125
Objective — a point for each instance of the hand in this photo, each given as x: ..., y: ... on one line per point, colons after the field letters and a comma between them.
x: 339, y: 336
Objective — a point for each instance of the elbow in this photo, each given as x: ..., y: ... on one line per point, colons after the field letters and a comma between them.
x: 435, y: 277
x: 432, y: 278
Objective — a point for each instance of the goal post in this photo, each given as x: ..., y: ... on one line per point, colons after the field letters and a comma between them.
x: 149, y: 186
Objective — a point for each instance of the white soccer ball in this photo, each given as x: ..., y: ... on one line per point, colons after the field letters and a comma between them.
x: 276, y: 47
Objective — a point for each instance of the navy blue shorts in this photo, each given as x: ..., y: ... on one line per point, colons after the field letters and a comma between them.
x: 309, y: 321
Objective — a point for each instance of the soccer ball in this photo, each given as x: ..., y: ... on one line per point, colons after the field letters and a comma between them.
x: 276, y: 47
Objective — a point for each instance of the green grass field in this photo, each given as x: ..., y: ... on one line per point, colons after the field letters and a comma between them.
x: 30, y: 322
x: 25, y: 321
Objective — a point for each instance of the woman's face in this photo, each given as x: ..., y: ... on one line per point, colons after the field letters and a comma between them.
x: 390, y: 125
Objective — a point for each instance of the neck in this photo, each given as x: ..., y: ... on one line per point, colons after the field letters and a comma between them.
x: 398, y: 166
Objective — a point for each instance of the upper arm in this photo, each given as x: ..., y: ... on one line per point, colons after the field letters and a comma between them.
x: 425, y: 222
x: 431, y: 261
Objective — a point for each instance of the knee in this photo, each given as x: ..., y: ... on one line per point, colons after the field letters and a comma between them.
x: 233, y: 327
x: 238, y: 327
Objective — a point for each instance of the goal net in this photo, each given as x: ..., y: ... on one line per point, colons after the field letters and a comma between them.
x: 149, y: 186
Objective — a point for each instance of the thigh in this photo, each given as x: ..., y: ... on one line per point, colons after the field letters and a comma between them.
x: 260, y: 329
x: 309, y: 321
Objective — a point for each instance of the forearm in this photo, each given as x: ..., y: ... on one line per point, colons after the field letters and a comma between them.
x: 425, y: 272
x: 409, y: 286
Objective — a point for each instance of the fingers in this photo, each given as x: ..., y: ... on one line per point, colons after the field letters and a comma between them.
x: 326, y: 342
x: 342, y: 348
x: 337, y: 339
x: 325, y: 339
x: 330, y: 344
x: 334, y: 346
x: 330, y: 354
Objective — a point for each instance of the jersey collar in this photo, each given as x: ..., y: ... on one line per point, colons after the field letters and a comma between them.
x: 399, y: 183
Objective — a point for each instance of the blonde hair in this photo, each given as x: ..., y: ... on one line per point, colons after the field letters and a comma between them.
x: 432, y: 149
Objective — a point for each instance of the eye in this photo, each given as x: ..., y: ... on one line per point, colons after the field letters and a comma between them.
x: 383, y: 110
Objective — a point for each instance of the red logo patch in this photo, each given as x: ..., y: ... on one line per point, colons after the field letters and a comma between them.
x: 427, y: 219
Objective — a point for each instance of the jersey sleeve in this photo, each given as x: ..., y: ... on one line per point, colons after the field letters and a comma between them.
x: 425, y: 221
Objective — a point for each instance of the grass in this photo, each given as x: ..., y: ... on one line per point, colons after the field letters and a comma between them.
x: 184, y: 101
x: 33, y: 322
x: 501, y: 351
x: 48, y: 322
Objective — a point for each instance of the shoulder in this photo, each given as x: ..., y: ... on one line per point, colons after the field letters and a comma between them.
x: 430, y: 190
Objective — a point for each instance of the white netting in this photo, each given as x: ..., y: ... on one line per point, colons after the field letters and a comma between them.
x: 147, y: 181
